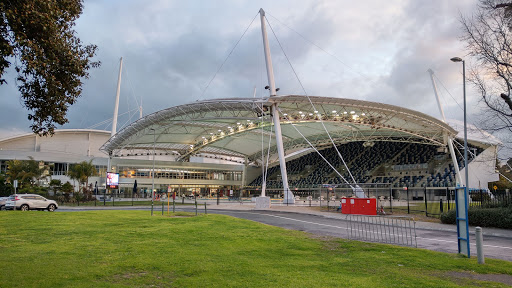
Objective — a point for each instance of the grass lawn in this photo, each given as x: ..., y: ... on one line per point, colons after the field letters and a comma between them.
x: 133, y: 249
x: 123, y: 203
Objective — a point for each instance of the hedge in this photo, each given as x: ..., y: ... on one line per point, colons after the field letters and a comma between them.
x: 484, y: 217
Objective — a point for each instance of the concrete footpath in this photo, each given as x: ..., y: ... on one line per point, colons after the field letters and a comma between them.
x: 337, y: 215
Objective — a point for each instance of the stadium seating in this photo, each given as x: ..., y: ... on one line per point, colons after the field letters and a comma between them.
x: 396, y: 163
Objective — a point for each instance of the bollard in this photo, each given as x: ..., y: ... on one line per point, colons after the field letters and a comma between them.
x: 162, y: 208
x: 205, y: 212
x: 479, y: 245
x: 196, y: 207
x: 173, y: 205
x: 441, y: 205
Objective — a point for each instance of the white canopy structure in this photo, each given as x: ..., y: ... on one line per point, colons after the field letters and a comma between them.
x: 233, y: 127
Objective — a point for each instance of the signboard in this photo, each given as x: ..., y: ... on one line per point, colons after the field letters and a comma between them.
x: 15, y: 184
x: 112, y: 180
x: 495, y: 187
x: 461, y: 208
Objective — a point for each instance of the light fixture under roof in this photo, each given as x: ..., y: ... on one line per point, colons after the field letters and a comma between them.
x: 316, y: 111
x: 333, y: 111
x: 238, y: 123
x: 345, y: 112
x: 352, y: 112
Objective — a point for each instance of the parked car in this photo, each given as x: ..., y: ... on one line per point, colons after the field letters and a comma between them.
x: 25, y: 202
x: 2, y: 202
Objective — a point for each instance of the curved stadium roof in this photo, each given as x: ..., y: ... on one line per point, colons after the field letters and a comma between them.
x: 241, y: 127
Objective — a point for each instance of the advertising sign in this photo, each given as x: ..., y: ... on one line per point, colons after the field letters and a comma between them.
x: 112, y: 180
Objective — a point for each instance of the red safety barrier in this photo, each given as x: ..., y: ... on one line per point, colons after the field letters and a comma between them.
x: 362, y: 206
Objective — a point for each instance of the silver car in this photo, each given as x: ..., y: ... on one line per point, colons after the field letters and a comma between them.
x: 25, y: 202
x: 2, y: 202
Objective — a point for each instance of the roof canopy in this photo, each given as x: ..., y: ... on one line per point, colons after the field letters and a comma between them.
x: 242, y: 127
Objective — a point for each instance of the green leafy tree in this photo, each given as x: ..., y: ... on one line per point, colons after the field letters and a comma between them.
x: 67, y: 189
x: 27, y: 172
x: 81, y: 173
x: 55, y: 185
x: 6, y: 189
x: 50, y: 59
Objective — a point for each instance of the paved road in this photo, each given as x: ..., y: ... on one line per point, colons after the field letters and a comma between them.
x: 428, y: 236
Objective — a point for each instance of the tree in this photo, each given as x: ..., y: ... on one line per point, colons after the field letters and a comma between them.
x: 488, y: 39
x: 49, y: 59
x: 55, y: 185
x: 6, y: 189
x: 81, y: 172
x: 27, y: 172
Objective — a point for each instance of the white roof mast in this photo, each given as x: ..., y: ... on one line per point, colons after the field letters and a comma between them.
x: 116, y: 105
x: 450, y: 141
x: 288, y: 196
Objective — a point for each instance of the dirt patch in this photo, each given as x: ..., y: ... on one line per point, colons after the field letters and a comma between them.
x: 129, y: 275
x: 329, y: 242
x: 500, y: 278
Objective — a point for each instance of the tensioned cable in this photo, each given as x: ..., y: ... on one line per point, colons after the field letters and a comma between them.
x: 310, y: 144
x: 323, y: 50
x: 439, y: 80
x: 312, y: 105
x: 231, y: 52
x: 108, y: 120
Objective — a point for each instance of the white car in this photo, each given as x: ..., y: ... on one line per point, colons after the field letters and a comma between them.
x: 2, y: 202
x: 25, y: 202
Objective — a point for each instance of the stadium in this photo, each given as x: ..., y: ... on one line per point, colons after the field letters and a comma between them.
x: 214, y: 147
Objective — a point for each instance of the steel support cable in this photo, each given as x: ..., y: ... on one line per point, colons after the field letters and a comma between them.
x: 439, y: 80
x: 318, y: 152
x: 108, y: 120
x: 326, y: 52
x: 312, y: 105
x: 231, y: 52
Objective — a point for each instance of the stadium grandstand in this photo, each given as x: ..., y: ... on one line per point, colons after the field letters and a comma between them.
x: 228, y: 144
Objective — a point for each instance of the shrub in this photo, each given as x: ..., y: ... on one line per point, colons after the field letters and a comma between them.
x: 484, y: 217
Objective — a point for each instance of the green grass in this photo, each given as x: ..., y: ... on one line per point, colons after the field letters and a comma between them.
x: 122, y: 203
x: 133, y: 249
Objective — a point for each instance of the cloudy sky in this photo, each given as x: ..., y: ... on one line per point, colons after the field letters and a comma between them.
x: 370, y: 50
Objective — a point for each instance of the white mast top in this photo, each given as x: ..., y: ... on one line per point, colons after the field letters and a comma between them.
x: 268, y: 58
x: 116, y: 105
x: 437, y: 95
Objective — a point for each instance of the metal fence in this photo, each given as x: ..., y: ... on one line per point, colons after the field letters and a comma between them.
x: 486, y: 199
x: 383, y: 229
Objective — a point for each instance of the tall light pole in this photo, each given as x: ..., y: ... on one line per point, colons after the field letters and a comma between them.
x: 458, y: 59
x: 153, y: 172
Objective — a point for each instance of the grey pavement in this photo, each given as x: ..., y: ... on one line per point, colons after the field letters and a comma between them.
x: 337, y: 215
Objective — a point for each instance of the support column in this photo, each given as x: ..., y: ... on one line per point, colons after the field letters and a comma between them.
x: 116, y: 105
x: 450, y: 140
x: 288, y: 196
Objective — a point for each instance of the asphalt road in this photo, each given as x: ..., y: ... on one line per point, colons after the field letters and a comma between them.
x: 498, y: 247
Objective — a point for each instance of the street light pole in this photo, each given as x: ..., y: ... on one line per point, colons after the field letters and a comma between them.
x: 153, y: 172
x: 458, y: 59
